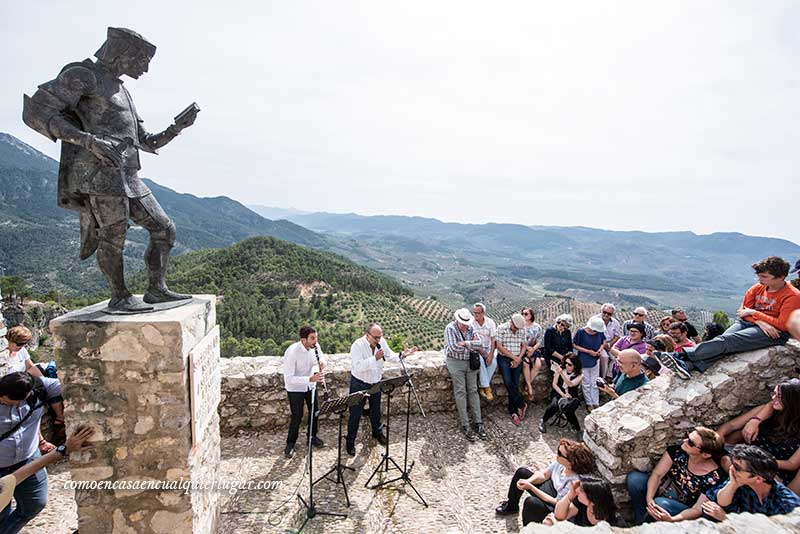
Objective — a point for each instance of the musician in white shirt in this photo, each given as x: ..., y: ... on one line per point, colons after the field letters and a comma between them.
x: 301, y: 381
x: 367, y: 355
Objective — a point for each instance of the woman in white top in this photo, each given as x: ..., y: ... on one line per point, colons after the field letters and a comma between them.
x: 17, y: 359
x: 548, y: 485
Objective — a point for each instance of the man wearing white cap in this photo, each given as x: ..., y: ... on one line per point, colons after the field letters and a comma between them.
x: 459, y: 340
x: 511, y: 346
x: 588, y: 341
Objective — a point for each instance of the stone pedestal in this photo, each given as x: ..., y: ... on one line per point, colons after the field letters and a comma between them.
x: 130, y: 376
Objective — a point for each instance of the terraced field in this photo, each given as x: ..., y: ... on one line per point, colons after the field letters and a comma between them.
x: 421, y: 322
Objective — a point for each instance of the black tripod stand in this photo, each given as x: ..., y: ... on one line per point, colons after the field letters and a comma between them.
x: 311, y: 509
x: 340, y: 406
x: 387, y: 386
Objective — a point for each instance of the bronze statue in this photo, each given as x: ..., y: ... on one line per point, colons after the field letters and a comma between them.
x: 90, y: 111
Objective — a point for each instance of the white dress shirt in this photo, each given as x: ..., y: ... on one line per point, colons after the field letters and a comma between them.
x: 362, y: 359
x: 297, y: 364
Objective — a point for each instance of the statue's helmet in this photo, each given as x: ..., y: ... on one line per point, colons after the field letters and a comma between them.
x: 124, y: 42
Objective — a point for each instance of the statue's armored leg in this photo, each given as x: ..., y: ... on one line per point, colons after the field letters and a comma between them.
x: 147, y: 212
x: 112, y: 216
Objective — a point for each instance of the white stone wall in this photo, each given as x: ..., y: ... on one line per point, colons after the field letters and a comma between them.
x: 253, y: 394
x: 734, y: 524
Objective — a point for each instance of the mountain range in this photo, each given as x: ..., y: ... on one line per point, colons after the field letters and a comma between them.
x: 506, y: 264
x: 39, y: 241
x: 500, y: 262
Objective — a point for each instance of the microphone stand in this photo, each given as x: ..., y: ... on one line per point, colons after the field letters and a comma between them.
x: 411, y: 383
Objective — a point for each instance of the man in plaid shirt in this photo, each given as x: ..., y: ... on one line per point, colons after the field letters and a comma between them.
x: 511, y: 346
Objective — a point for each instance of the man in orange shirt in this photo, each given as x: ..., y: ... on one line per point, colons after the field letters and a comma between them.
x: 762, y: 321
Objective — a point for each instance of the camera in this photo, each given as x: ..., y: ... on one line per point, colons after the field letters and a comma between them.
x: 600, y: 382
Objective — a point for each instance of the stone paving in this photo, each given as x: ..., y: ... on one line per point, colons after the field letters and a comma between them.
x: 462, y: 481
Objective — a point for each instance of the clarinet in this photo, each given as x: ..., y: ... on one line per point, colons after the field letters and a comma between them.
x: 324, y: 385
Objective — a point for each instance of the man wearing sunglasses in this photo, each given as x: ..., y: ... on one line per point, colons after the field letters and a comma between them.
x: 751, y: 487
x: 639, y: 316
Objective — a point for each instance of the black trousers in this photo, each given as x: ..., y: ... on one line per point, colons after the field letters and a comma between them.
x: 296, y: 401
x: 534, y: 510
x: 569, y: 411
x: 356, y: 410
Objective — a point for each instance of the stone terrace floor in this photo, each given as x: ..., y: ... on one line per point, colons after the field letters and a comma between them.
x: 462, y: 481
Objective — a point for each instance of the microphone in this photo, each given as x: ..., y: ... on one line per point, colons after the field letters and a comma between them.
x: 378, y: 346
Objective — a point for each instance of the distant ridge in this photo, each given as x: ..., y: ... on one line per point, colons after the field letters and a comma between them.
x: 39, y: 241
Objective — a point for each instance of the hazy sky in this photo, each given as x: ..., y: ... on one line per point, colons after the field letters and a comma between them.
x: 678, y: 115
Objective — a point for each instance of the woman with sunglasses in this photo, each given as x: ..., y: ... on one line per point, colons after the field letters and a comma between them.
x: 558, y: 340
x: 775, y: 427
x: 567, y: 379
x: 17, y: 359
x: 684, y: 473
x: 663, y: 325
x: 532, y: 361
x: 588, y: 502
x: 547, y: 485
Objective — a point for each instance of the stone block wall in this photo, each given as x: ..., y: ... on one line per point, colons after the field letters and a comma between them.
x: 735, y: 524
x: 632, y: 432
x: 253, y: 395
x: 129, y: 377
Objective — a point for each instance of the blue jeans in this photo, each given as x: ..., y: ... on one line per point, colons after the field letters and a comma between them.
x: 636, y: 481
x: 511, y: 380
x: 487, y: 372
x: 741, y: 336
x: 31, y: 497
x: 356, y: 410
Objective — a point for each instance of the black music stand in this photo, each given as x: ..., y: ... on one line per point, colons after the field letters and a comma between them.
x: 340, y: 406
x: 311, y: 509
x: 388, y: 386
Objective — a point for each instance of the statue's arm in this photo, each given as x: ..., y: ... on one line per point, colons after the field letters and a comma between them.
x: 48, y: 112
x: 152, y: 142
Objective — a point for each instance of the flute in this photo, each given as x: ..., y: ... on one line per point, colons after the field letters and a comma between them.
x: 319, y: 369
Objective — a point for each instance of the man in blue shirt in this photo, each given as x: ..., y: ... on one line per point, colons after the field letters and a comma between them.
x: 751, y: 487
x: 632, y: 375
x: 22, y: 403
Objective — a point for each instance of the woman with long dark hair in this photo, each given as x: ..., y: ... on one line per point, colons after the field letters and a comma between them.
x: 775, y: 427
x: 567, y: 380
x: 588, y: 502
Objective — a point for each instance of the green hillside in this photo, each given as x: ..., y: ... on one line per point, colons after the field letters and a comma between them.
x: 39, y: 241
x: 269, y: 288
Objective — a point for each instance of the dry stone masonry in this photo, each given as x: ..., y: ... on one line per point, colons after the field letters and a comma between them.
x: 253, y: 395
x: 130, y: 377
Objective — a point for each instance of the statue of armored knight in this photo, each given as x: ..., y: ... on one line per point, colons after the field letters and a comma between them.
x: 92, y: 113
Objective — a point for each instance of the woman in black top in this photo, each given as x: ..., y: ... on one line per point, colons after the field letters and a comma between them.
x: 775, y: 427
x: 567, y: 379
x: 588, y: 502
x: 558, y: 340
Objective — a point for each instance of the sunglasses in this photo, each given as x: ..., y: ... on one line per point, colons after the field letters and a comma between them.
x: 608, y: 313
x: 739, y: 469
x: 639, y: 314
x: 692, y: 443
x: 560, y: 454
